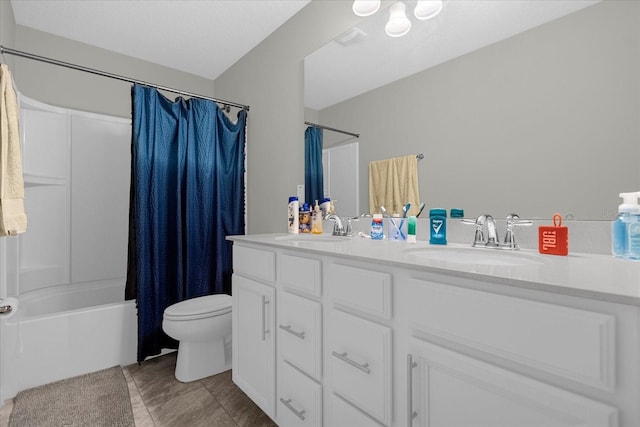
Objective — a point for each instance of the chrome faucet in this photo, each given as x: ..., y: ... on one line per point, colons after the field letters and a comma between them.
x: 338, y: 227
x: 492, y: 240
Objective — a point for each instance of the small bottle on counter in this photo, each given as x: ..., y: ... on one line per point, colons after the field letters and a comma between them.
x: 377, y: 232
x: 316, y: 220
x: 305, y: 218
x: 625, y: 229
x: 411, y: 229
x: 294, y: 226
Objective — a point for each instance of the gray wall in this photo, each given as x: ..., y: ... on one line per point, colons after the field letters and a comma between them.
x: 513, y: 126
x: 270, y: 80
x: 7, y: 30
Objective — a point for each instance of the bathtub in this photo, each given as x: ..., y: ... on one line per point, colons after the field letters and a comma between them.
x: 67, y: 330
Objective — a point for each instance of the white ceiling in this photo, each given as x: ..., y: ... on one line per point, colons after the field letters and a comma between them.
x: 339, y: 71
x: 202, y: 37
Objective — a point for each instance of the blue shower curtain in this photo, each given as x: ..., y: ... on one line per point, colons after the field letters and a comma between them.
x: 313, y: 180
x: 187, y: 195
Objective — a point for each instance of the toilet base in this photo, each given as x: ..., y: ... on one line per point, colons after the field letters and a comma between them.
x: 200, y: 359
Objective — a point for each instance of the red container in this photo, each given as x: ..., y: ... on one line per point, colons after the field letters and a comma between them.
x: 553, y: 240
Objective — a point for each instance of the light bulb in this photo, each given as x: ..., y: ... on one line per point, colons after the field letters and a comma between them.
x: 398, y: 24
x: 427, y: 9
x: 365, y: 7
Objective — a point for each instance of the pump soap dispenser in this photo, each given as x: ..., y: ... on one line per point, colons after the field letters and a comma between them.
x: 316, y: 220
x: 625, y: 229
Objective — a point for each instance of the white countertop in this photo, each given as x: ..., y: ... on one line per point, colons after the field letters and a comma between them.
x: 593, y: 276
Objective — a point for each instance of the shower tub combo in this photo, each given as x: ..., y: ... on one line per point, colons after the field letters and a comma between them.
x: 67, y: 330
x: 68, y: 270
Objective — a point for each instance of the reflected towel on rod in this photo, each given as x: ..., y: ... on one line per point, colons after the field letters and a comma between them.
x: 13, y: 219
x: 392, y: 183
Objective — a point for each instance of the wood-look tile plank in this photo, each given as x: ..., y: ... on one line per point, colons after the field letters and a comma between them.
x: 194, y: 408
x: 235, y: 402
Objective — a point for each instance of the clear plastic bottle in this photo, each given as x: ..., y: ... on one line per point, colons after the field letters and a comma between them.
x: 625, y: 229
x: 294, y: 205
x: 316, y: 220
x: 377, y: 232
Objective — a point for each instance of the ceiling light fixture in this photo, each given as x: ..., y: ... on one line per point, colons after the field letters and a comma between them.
x: 398, y: 24
x: 427, y: 9
x: 365, y: 7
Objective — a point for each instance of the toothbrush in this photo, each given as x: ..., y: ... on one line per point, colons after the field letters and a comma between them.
x: 405, y: 210
x: 420, y: 210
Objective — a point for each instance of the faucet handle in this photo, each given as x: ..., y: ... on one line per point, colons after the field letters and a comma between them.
x: 349, y: 228
x: 478, y: 239
x: 513, y: 220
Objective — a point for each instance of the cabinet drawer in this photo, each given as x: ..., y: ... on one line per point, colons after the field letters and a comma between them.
x: 572, y: 343
x: 365, y: 290
x: 299, y: 399
x: 360, y: 354
x: 255, y: 263
x: 344, y: 414
x: 300, y: 333
x: 301, y: 274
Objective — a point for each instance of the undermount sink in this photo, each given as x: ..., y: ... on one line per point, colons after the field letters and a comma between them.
x: 312, y: 238
x: 476, y: 256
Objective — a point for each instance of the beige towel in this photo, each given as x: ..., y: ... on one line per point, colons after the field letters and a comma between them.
x: 393, y: 183
x: 13, y: 219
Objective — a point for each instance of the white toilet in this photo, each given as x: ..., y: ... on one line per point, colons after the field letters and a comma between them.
x: 201, y: 325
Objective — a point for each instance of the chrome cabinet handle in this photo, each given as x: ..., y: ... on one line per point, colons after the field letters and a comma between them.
x: 5, y: 309
x: 287, y: 403
x: 265, y: 301
x: 343, y: 356
x: 411, y: 414
x: 292, y: 332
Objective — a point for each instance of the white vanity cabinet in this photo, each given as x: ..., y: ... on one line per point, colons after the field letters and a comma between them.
x: 336, y: 337
x: 253, y: 327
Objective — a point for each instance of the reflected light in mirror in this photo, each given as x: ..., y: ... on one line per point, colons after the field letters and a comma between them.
x: 427, y: 9
x: 366, y: 7
x: 398, y: 24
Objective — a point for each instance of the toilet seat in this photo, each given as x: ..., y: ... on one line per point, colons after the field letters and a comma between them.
x: 199, y: 308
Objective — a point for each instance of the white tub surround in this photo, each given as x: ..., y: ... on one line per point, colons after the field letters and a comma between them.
x: 332, y: 331
x: 65, y: 331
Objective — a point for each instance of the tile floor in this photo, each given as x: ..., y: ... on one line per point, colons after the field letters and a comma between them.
x: 159, y: 400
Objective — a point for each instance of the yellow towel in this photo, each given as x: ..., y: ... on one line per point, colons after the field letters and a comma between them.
x: 393, y: 183
x: 13, y: 219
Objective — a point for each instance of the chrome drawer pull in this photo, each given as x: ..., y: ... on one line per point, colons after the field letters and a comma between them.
x: 288, y: 404
x: 411, y: 414
x: 265, y: 331
x: 292, y: 332
x: 343, y: 356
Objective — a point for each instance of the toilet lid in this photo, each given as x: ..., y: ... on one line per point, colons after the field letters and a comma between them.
x: 209, y: 304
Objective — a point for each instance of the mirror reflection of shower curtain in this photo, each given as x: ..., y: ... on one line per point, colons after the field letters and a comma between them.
x: 187, y: 196
x: 313, y: 177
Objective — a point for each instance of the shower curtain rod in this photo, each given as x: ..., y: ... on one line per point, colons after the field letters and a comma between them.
x: 357, y: 135
x: 114, y: 76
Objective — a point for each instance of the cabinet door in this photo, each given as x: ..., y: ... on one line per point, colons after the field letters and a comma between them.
x: 447, y: 388
x: 253, y: 341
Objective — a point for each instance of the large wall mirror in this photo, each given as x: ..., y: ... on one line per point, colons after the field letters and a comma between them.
x: 512, y: 114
